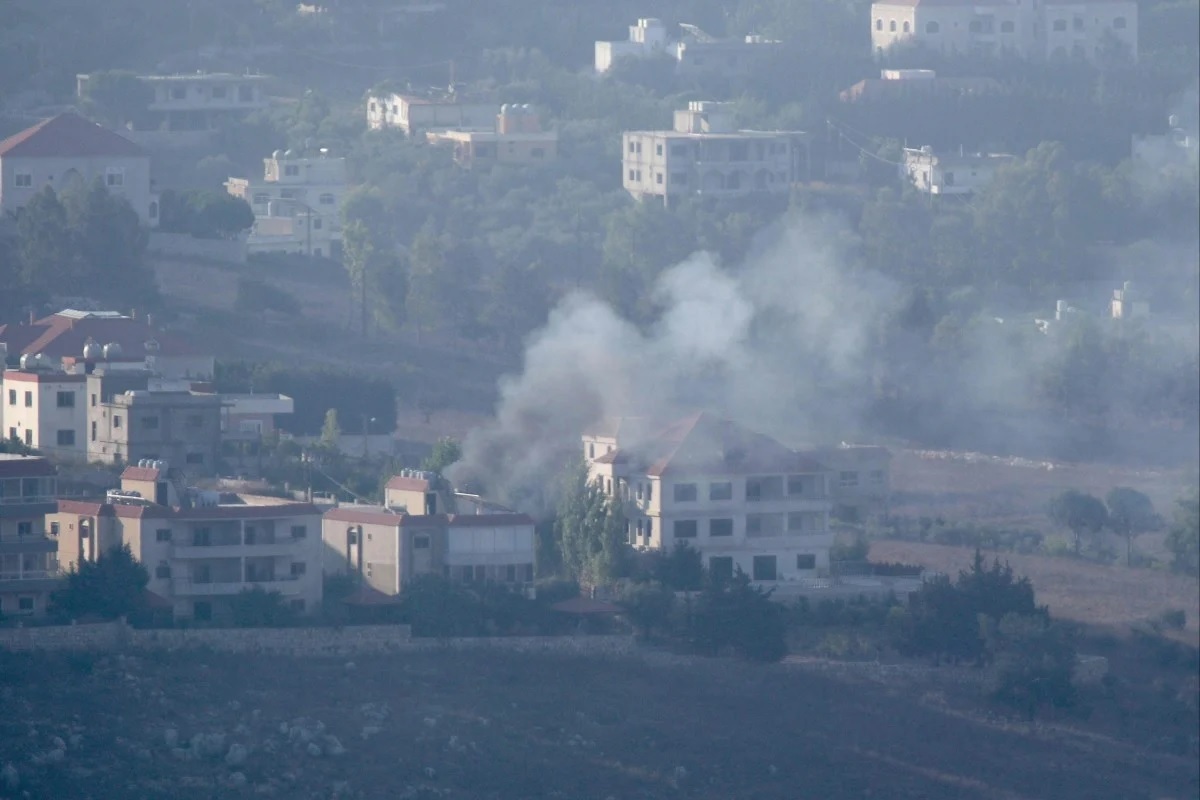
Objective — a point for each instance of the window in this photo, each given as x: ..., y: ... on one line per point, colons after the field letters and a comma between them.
x: 251, y: 535
x: 630, y: 174
x: 351, y: 536
x: 795, y: 485
x: 12, y: 397
x: 892, y: 26
x: 1077, y: 23
x: 649, y: 528
x: 797, y: 522
x: 291, y: 170
x: 879, y: 24
x: 194, y: 458
x: 720, y: 567
x: 720, y: 527
x: 907, y: 27
x: 948, y: 179
x: 679, y: 149
x: 760, y: 526
x: 764, y: 568
x: 685, y: 493
x: 658, y: 149
x: 722, y: 490
x: 591, y: 451
x: 932, y: 27
x: 768, y: 487
x: 1007, y: 27
x: 480, y: 573
x: 847, y: 479
x: 66, y: 438
x: 12, y: 432
x: 326, y: 199
x: 685, y: 529
x: 316, y: 223
x: 93, y: 431
x: 150, y: 423
x: 975, y: 26
x: 195, y: 421
x: 299, y: 532
x: 29, y: 436
x: 25, y: 604
x: 201, y: 537
x: 370, y: 569
x: 162, y: 571
x: 245, y: 94
x: 24, y: 529
x: 658, y: 178
x: 29, y: 399
x: 806, y: 561
x: 116, y: 421
x: 299, y: 568
x: 420, y: 543
x: 1060, y: 24
x: 65, y: 399
x: 23, y: 180
x: 649, y: 492
x: 1119, y: 23
x: 261, y: 198
x: 54, y: 529
x: 162, y: 535
x: 114, y: 177
x: 372, y: 106
x: 219, y: 92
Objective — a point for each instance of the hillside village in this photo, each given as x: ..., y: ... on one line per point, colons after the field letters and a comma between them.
x: 383, y: 384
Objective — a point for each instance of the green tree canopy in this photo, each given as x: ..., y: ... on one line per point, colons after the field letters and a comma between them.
x: 113, y: 585
x: 591, y: 530
x: 1080, y: 513
x: 1130, y: 512
x: 116, y: 97
x: 1183, y: 540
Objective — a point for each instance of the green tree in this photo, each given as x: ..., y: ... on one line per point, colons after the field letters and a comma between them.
x: 47, y: 249
x: 113, y: 585
x: 647, y: 606
x: 215, y: 215
x: 1080, y: 513
x: 446, y: 451
x: 331, y: 432
x: 117, y: 98
x: 681, y: 569
x: 1130, y: 512
x: 591, y: 529
x: 1183, y: 540
x: 1032, y: 662
x: 739, y: 616
x: 111, y: 242
x: 378, y: 275
x: 434, y: 606
x: 257, y: 608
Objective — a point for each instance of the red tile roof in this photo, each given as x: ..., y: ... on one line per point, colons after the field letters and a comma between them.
x: 67, y: 135
x: 401, y: 483
x: 140, y: 474
x: 59, y: 336
x: 14, y: 466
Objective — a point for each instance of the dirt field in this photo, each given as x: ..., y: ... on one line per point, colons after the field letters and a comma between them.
x: 494, y: 725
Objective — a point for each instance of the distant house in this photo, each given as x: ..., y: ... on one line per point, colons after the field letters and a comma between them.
x: 28, y: 561
x: 1055, y: 29
x: 69, y: 150
x: 517, y: 138
x: 417, y: 114
x: 648, y: 37
x: 693, y: 52
x: 951, y: 173
x: 895, y: 84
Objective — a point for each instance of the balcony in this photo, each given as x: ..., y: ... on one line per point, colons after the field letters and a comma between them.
x: 30, y: 580
x: 28, y: 544
x: 186, y: 587
x: 279, y: 547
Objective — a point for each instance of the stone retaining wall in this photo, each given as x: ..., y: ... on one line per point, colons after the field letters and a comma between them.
x: 351, y: 640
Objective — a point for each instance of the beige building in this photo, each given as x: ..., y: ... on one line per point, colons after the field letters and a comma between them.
x: 69, y: 151
x: 647, y: 38
x: 959, y: 173
x: 742, y: 499
x: 28, y: 561
x: 297, y: 204
x: 44, y: 408
x: 200, y: 548
x: 1036, y: 30
x: 706, y: 155
x: 517, y: 138
x: 127, y: 422
x: 418, y: 531
x: 416, y: 114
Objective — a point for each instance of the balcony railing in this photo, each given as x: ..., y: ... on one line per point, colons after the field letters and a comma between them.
x: 279, y: 547
x: 188, y: 587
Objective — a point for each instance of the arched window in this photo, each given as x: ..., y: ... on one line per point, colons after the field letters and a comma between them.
x: 1007, y: 27
x: 1060, y: 24
x: 892, y: 26
x: 1119, y: 23
x: 932, y: 27
x: 879, y: 24
x: 906, y: 27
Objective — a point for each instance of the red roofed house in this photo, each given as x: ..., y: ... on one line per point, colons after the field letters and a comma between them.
x: 742, y: 499
x: 28, y: 566
x: 424, y: 528
x: 67, y: 150
x: 1055, y: 29
x: 201, y: 548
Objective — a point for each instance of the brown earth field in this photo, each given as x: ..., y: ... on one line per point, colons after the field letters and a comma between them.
x: 493, y: 725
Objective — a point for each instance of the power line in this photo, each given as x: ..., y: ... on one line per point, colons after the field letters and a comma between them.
x: 842, y: 133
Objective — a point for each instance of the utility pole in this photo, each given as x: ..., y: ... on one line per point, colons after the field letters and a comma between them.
x: 364, y: 298
x: 366, y: 434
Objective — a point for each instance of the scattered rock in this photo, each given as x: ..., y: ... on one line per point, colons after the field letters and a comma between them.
x: 350, y: 666
x: 773, y: 770
x: 237, y: 755
x: 235, y: 705
x: 333, y: 746
x: 369, y: 730
x: 171, y: 737
x: 237, y: 779
x: 430, y: 722
x: 680, y: 774
x: 10, y: 779
x: 58, y: 743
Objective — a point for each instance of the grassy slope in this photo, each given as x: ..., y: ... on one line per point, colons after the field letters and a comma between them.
x: 530, y: 727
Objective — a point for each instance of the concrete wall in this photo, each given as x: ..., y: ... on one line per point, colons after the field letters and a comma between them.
x: 355, y: 640
x: 187, y: 246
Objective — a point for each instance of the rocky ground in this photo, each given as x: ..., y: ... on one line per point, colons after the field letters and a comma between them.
x: 501, y: 725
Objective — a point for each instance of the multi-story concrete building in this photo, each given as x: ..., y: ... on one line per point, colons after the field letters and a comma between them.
x: 419, y: 532
x: 951, y: 173
x: 742, y: 499
x: 1055, y: 29
x: 647, y: 38
x: 199, y: 101
x: 860, y: 480
x: 69, y: 151
x: 416, y: 114
x: 200, y: 548
x: 705, y: 154
x: 127, y: 422
x: 517, y: 138
x: 75, y: 341
x: 297, y: 203
x: 28, y: 564
x: 44, y: 408
x: 693, y: 52
x: 896, y: 84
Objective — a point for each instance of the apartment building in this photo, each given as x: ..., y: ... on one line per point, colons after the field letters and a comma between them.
x: 859, y: 480
x: 76, y: 341
x: 199, y: 101
x: 201, y: 548
x: 1054, y: 29
x: 44, y: 408
x: 417, y: 114
x: 28, y: 560
x: 704, y: 154
x: 297, y: 203
x: 70, y: 151
x: 693, y: 52
x: 419, y: 531
x: 128, y: 422
x: 517, y: 138
x: 647, y: 38
x: 959, y: 173
x: 742, y: 499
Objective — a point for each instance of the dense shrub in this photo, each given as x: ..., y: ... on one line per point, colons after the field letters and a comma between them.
x: 1032, y: 663
x: 737, y: 616
x: 258, y: 608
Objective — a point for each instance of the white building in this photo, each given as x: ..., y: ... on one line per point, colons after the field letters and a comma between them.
x: 693, y: 53
x: 69, y: 151
x: 1085, y: 29
x: 516, y: 138
x: 951, y: 174
x: 743, y: 500
x: 45, y: 409
x: 297, y: 204
x: 706, y: 155
x: 28, y: 565
x: 416, y: 114
x: 647, y: 38
x: 199, y: 101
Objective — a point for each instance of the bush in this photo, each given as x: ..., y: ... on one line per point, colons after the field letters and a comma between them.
x: 434, y: 606
x: 647, y: 606
x: 736, y: 615
x: 1032, y: 663
x: 258, y: 608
